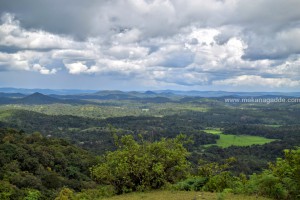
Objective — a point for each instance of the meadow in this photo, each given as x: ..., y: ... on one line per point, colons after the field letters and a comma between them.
x: 236, y: 140
x: 182, y: 195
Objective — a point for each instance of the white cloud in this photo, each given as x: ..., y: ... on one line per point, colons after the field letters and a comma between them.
x: 252, y: 80
x: 191, y: 43
x: 127, y: 52
x: 13, y: 35
x: 43, y: 70
x: 77, y: 68
x: 127, y: 36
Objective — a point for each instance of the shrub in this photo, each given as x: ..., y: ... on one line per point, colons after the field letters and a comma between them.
x: 266, y: 184
x: 100, y: 192
x: 191, y: 184
x: 219, y: 182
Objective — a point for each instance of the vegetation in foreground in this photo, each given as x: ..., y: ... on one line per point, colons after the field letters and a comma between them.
x: 35, y: 167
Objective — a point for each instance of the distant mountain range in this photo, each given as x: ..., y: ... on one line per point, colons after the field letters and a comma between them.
x: 32, y: 96
x: 225, y: 93
x: 45, y: 91
x: 36, y: 99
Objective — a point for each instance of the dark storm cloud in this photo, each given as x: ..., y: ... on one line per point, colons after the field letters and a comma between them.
x: 72, y: 17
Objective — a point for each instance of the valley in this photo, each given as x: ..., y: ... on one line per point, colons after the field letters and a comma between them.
x: 215, y: 131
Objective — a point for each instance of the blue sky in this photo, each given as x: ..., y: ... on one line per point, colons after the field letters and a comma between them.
x: 234, y: 45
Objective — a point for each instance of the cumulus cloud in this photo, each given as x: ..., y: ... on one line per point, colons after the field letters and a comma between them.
x: 252, y: 80
x: 13, y: 35
x: 43, y: 70
x: 180, y: 42
x: 77, y: 68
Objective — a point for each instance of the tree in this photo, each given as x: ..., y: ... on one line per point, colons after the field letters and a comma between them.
x: 281, y: 180
x: 65, y: 194
x: 139, y: 166
x: 6, y: 190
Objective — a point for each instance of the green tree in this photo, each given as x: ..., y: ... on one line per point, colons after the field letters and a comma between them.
x: 33, y: 195
x: 281, y: 180
x: 65, y: 194
x: 6, y: 190
x: 140, y: 166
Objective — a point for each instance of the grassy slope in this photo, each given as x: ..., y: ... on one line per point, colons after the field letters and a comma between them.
x: 181, y: 195
x: 237, y: 140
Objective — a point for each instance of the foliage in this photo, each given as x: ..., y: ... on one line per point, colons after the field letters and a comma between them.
x: 191, y: 184
x: 65, y: 194
x: 138, y: 167
x: 39, y: 166
x: 97, y: 193
x: 6, y: 190
x: 209, y: 169
x: 281, y: 180
x: 219, y: 182
x: 86, y: 126
x: 32, y: 166
x: 33, y: 194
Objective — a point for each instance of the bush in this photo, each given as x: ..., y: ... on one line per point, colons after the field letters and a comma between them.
x: 219, y: 182
x: 191, y: 184
x: 266, y: 184
x: 91, y: 194
x: 281, y: 180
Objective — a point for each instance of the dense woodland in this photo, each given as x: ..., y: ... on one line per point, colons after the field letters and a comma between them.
x: 77, y: 145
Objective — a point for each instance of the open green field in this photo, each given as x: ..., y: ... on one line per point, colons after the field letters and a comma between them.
x: 237, y: 140
x: 273, y: 125
x: 181, y: 195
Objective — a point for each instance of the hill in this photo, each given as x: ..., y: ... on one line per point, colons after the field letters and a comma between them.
x: 38, y: 98
x: 45, y: 91
x: 11, y: 95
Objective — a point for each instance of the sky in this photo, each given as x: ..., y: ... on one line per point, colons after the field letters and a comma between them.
x: 232, y: 45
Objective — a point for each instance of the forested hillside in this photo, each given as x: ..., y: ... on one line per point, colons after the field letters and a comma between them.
x: 86, y: 148
x: 35, y: 165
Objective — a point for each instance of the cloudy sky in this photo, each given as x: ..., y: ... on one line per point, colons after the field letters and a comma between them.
x: 234, y: 45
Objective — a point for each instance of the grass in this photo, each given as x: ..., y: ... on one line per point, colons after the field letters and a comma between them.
x: 181, y: 195
x: 237, y: 140
x: 273, y: 125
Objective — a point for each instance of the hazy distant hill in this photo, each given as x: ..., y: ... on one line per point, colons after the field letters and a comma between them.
x: 225, y: 93
x: 38, y: 98
x: 11, y: 95
x: 43, y: 96
x: 45, y: 91
x: 148, y: 96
